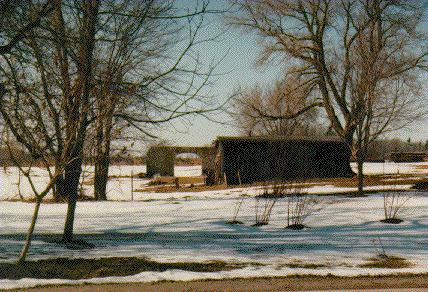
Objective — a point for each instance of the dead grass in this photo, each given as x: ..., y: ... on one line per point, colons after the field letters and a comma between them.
x: 136, y: 175
x: 65, y: 268
x: 300, y: 265
x: 372, y: 180
x: 387, y: 262
x: 423, y: 166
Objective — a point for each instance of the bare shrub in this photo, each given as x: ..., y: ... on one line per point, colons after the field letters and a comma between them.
x: 263, y: 209
x: 380, y: 249
x: 299, y: 207
x: 236, y: 209
x: 274, y: 189
x: 264, y: 203
x: 393, y: 203
x: 296, y: 211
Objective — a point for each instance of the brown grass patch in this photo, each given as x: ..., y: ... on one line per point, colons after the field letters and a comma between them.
x: 136, y: 175
x: 372, y: 180
x: 423, y: 166
x: 65, y: 268
x: 388, y: 262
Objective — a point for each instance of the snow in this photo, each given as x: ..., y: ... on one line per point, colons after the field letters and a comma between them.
x: 340, y: 236
x: 190, y: 226
x: 390, y: 167
x: 195, y: 170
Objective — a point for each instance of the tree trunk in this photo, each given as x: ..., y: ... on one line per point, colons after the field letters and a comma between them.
x: 101, y: 176
x: 102, y: 157
x: 360, y: 175
x: 59, y: 191
x: 27, y: 244
x: 71, y: 183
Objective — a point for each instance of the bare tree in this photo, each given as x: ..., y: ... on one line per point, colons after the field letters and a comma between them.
x: 287, y: 109
x: 323, y: 41
x: 38, y: 195
x: 383, y: 101
x: 148, y: 72
x: 79, y: 68
x: 47, y: 93
x: 34, y: 14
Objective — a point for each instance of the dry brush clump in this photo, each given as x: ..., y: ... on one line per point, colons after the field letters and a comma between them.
x: 393, y: 204
x: 236, y: 209
x: 384, y: 260
x: 263, y: 209
x: 265, y: 202
x: 299, y: 206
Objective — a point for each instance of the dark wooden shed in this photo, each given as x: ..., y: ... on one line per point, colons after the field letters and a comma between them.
x: 256, y: 159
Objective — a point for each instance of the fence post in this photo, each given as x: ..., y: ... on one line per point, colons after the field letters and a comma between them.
x: 132, y: 185
x: 239, y: 177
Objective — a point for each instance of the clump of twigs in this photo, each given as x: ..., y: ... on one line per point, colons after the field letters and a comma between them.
x: 299, y: 206
x: 265, y: 202
x: 263, y: 209
x: 236, y: 209
x: 274, y: 189
x: 393, y: 203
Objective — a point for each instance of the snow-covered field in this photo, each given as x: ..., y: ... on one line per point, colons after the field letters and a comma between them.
x: 342, y: 235
x: 186, y: 226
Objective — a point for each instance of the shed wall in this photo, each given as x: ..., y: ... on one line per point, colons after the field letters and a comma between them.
x: 265, y: 160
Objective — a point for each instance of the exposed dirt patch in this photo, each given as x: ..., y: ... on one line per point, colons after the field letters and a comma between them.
x: 392, y: 221
x: 233, y: 222
x: 259, y: 224
x: 422, y: 185
x: 370, y: 180
x: 423, y: 166
x: 296, y: 226
x: 65, y: 268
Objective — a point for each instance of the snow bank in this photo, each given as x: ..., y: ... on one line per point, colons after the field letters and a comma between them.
x: 180, y: 275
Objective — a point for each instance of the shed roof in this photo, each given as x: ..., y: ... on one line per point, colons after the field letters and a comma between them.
x: 335, y: 139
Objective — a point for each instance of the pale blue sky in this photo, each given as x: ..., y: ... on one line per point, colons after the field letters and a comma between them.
x: 242, y: 51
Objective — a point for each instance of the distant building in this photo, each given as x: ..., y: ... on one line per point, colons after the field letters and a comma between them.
x: 252, y: 159
x: 256, y: 159
x: 408, y: 156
